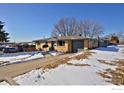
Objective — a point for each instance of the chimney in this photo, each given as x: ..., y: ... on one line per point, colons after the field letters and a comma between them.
x: 60, y: 35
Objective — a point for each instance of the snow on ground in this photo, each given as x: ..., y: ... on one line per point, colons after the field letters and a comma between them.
x: 12, y: 58
x: 55, y: 53
x: 76, y: 75
x: 111, y: 48
x: 63, y: 75
x: 35, y: 56
x: 31, y: 78
x: 76, y: 54
x: 94, y: 64
x: 108, y: 54
x: 4, y: 83
x: 102, y: 54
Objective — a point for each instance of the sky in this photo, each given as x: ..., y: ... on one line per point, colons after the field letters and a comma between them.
x: 27, y: 22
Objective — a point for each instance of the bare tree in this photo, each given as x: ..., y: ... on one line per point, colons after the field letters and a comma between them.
x: 89, y: 28
x: 72, y: 27
x: 65, y: 27
x: 84, y: 28
x: 118, y: 34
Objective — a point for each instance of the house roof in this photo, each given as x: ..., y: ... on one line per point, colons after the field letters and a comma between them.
x: 29, y: 43
x: 71, y: 37
x: 62, y: 38
x: 66, y: 38
x: 45, y: 39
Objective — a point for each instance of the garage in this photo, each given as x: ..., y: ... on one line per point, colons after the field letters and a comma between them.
x: 77, y: 44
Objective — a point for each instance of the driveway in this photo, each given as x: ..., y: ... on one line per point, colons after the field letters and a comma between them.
x: 10, y: 71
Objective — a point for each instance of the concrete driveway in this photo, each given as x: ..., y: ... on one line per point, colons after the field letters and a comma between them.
x: 11, y: 71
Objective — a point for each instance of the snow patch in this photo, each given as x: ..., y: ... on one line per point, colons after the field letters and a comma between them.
x: 4, y: 83
x: 112, y: 48
x: 55, y: 53
x: 35, y: 56
x: 7, y: 59
x: 76, y: 54
x: 64, y: 74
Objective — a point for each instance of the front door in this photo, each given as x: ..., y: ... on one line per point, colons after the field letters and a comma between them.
x: 52, y: 45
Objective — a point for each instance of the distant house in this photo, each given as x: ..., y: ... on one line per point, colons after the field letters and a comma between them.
x: 17, y: 47
x: 41, y: 43
x: 66, y: 44
x: 7, y: 44
x: 8, y: 47
x: 121, y: 41
x: 26, y: 46
x: 114, y: 40
x: 103, y: 42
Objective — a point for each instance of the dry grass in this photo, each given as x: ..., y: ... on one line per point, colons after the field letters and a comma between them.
x: 108, y: 63
x: 117, y: 75
x: 65, y: 60
x: 78, y: 64
x: 84, y: 55
x: 56, y: 63
x: 105, y: 75
x: 120, y: 62
x: 47, y: 55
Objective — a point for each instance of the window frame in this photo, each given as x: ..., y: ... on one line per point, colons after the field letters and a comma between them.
x: 61, y: 43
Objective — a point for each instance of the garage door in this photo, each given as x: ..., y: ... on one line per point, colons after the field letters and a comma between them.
x: 77, y: 44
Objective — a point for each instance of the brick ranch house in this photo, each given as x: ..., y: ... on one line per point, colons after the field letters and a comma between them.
x: 66, y: 44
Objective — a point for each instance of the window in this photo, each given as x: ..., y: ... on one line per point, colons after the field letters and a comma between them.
x: 61, y: 43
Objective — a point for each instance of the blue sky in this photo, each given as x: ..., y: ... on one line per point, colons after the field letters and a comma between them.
x: 27, y: 22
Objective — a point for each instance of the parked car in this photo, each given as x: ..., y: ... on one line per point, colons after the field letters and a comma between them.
x: 1, y: 48
x: 20, y: 49
x: 9, y: 50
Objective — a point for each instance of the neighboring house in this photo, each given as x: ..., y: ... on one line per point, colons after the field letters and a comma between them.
x: 66, y: 44
x: 8, y: 47
x: 17, y: 47
x: 7, y: 44
x: 121, y: 41
x: 103, y: 42
x: 26, y: 46
x: 114, y: 40
x: 41, y: 43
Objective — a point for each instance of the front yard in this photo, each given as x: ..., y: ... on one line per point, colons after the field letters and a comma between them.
x: 101, y: 66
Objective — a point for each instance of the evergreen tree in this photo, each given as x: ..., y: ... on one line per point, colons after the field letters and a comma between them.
x: 3, y: 35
